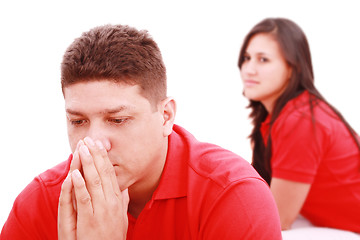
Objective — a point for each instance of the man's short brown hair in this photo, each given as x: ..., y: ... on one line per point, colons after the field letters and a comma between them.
x: 117, y: 53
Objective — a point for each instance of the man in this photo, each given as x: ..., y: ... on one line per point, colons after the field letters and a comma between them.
x: 134, y: 174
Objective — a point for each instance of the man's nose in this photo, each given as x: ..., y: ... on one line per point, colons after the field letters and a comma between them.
x: 97, y: 133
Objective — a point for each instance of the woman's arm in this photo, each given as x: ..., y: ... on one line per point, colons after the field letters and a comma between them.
x: 289, y: 197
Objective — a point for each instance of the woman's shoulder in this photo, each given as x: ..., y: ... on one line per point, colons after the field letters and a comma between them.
x: 307, y: 105
x: 306, y: 111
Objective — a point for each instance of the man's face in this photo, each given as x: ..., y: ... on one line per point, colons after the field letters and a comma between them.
x: 131, y: 129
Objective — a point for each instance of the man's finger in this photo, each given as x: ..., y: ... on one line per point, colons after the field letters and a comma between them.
x: 83, y: 198
x: 66, y: 213
x: 105, y: 168
x: 75, y: 162
x: 125, y: 198
x: 91, y: 175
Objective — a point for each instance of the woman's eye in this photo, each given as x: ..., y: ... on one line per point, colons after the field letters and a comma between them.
x: 246, y: 58
x: 264, y: 59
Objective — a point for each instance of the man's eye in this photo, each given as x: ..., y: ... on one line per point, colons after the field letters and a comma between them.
x: 77, y: 122
x: 117, y: 120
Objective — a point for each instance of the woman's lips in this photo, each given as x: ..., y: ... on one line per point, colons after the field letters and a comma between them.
x: 250, y: 83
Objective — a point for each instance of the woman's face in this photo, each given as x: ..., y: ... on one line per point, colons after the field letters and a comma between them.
x: 264, y: 72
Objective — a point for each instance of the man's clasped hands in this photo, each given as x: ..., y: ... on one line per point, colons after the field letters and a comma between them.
x: 91, y: 204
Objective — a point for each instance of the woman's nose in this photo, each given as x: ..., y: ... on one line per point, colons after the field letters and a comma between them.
x: 249, y: 68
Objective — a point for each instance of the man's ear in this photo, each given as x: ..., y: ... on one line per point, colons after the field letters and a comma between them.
x: 168, y: 111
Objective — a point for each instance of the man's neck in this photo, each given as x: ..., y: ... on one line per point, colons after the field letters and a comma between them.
x: 138, y: 199
x: 141, y: 193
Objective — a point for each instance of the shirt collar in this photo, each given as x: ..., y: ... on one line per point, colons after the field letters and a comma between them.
x: 173, y: 182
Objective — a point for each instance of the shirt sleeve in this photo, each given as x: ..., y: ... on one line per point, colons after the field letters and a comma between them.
x: 244, y: 210
x: 30, y: 217
x: 298, y: 144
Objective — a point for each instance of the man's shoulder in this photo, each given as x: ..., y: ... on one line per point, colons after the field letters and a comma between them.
x: 35, y: 208
x: 221, y: 165
x: 211, y: 161
x: 49, y: 181
x: 56, y: 174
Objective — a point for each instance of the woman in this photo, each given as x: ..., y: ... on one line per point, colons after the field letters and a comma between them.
x: 302, y: 146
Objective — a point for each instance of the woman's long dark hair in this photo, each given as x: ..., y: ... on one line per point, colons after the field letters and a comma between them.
x: 295, y: 49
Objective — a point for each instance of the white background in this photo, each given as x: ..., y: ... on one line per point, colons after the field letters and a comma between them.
x: 200, y: 42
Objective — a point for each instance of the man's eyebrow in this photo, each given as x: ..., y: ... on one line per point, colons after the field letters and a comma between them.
x: 116, y: 110
x: 105, y: 111
x: 73, y: 112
